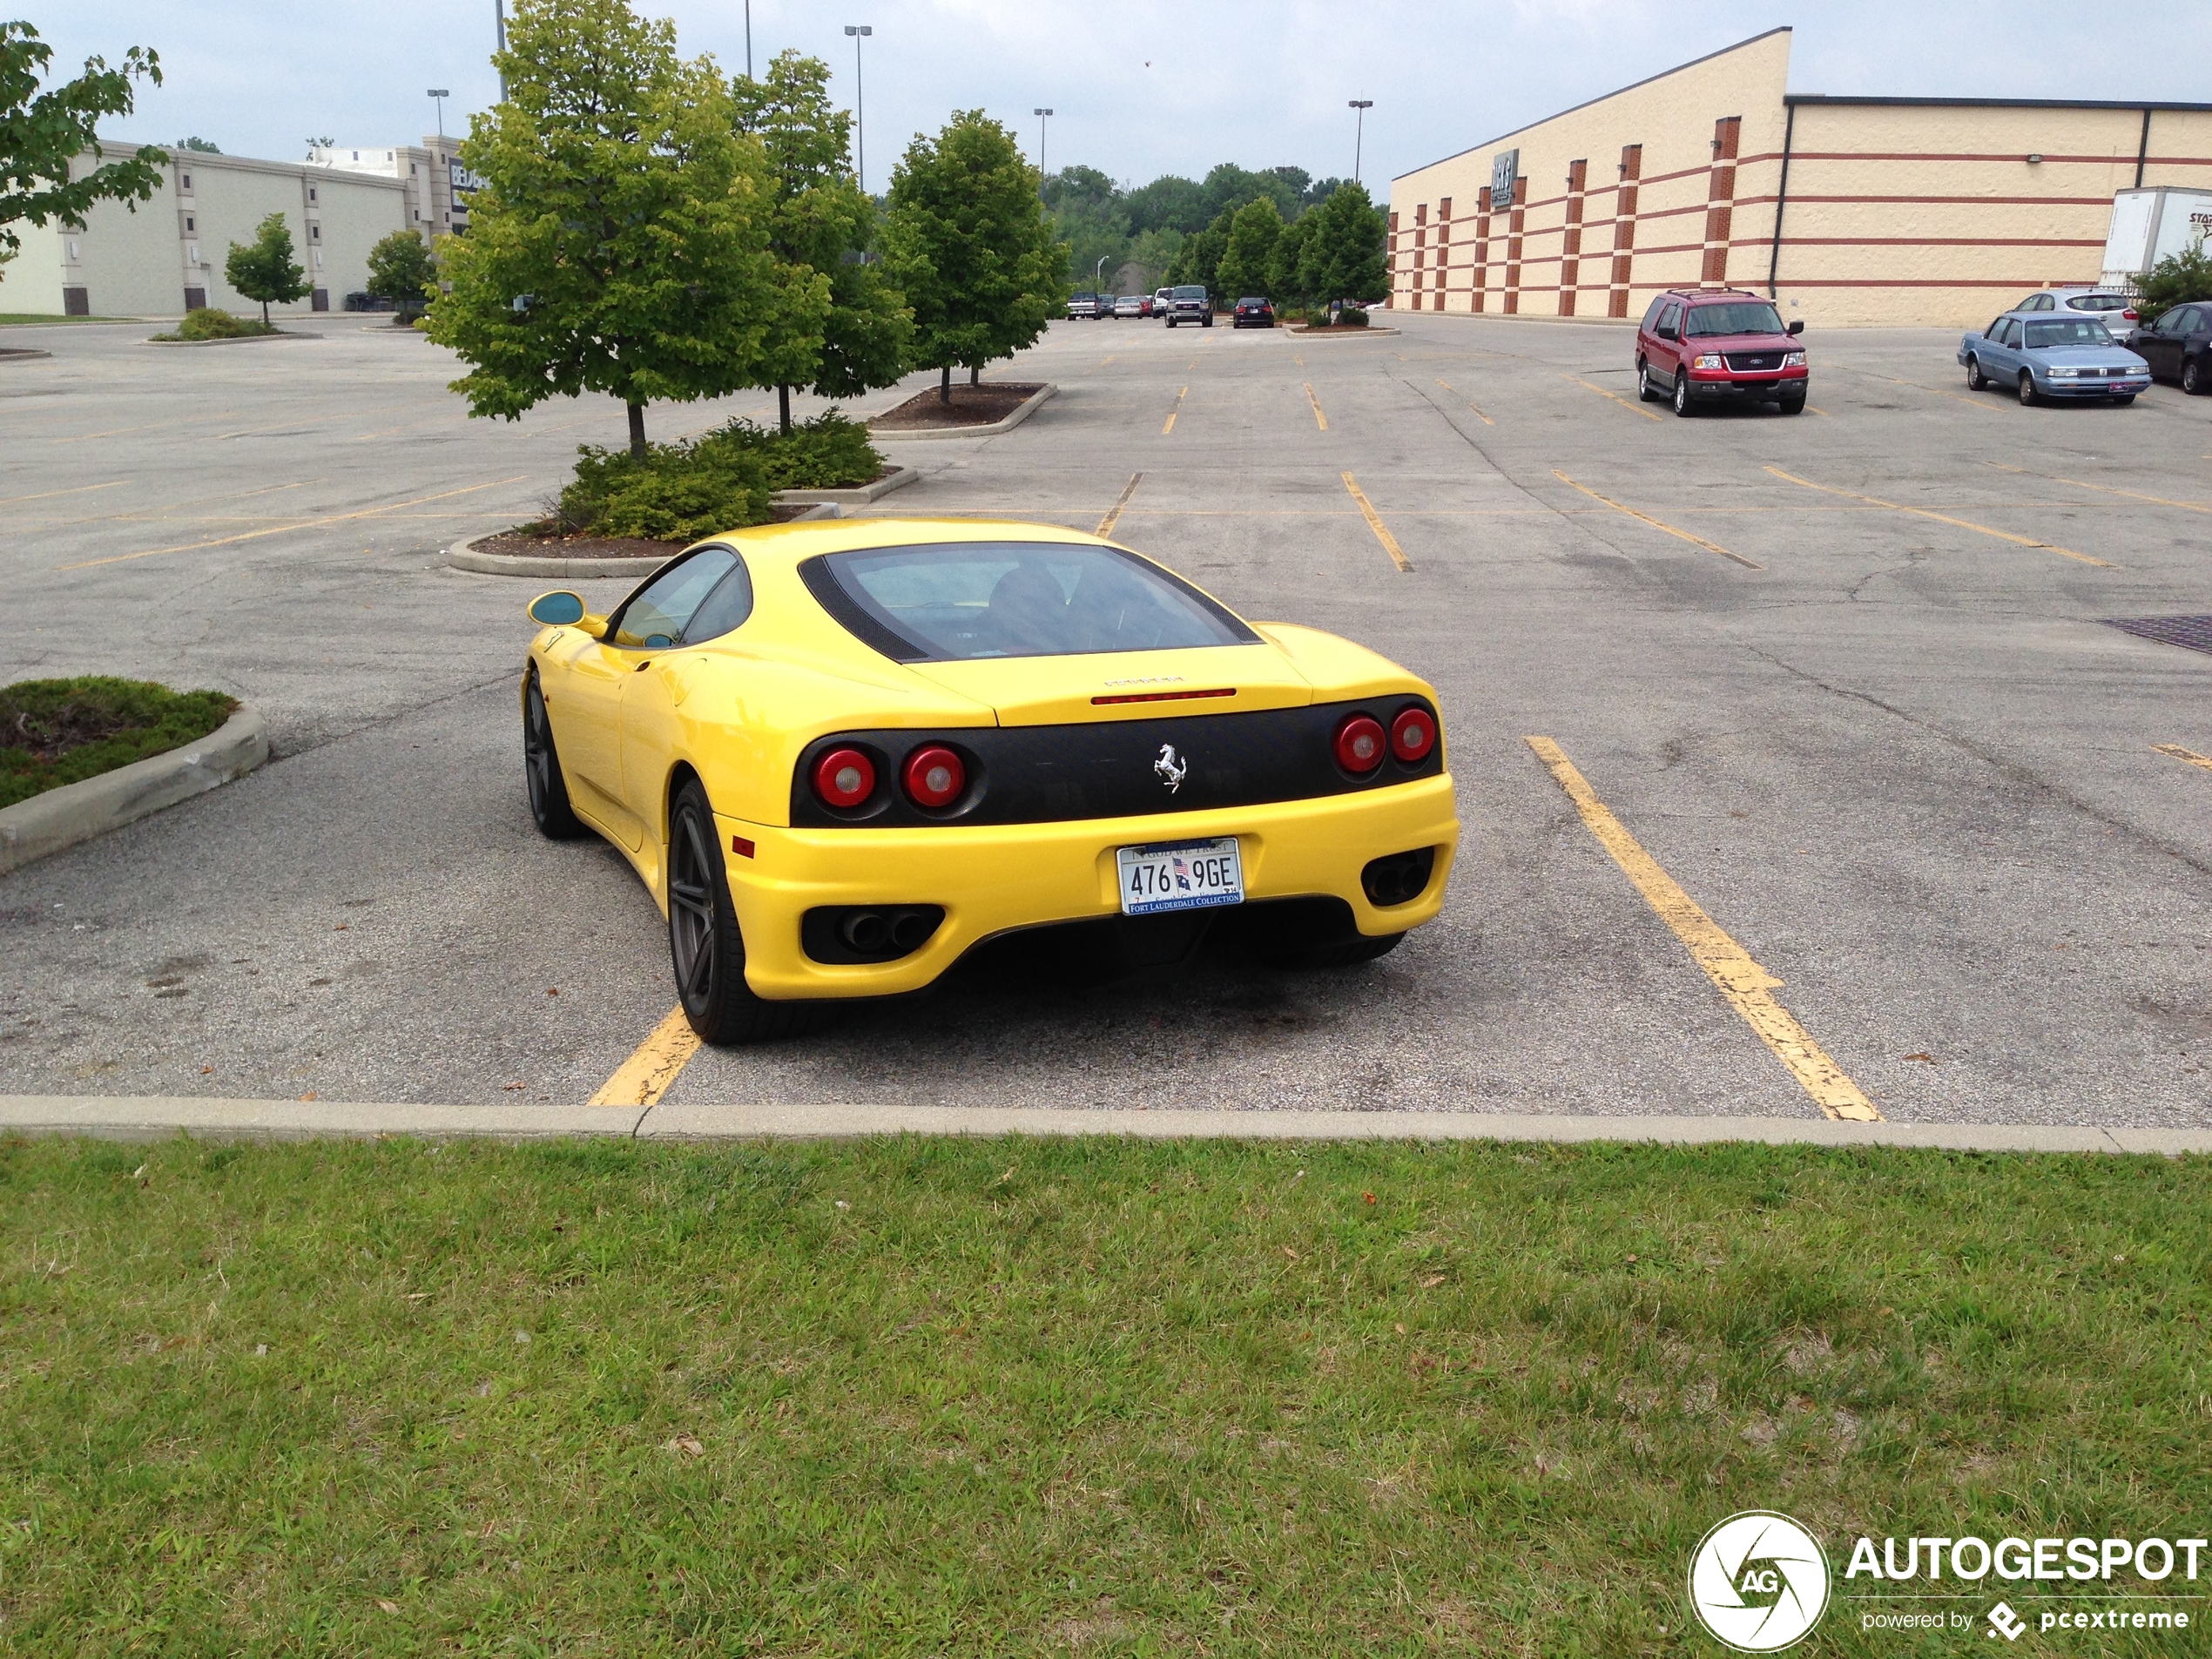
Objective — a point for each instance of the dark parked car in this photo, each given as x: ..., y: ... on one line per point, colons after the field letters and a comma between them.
x: 2178, y: 347
x: 1190, y: 303
x: 1253, y: 312
x: 1721, y: 345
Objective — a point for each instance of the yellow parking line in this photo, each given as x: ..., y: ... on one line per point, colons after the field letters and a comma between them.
x: 1940, y: 518
x: 2156, y: 501
x: 1177, y: 410
x: 1300, y: 361
x: 304, y: 524
x: 1374, y: 523
x: 2179, y: 753
x: 1822, y: 412
x: 660, y: 1060
x: 1485, y: 419
x: 1659, y: 524
x: 1319, y: 418
x: 1633, y: 409
x: 1747, y: 985
x: 1106, y: 524
x: 47, y: 495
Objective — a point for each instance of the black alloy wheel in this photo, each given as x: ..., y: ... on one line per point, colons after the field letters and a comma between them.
x: 1975, y: 379
x: 550, y: 809
x: 2192, y: 376
x: 2026, y: 388
x: 1682, y: 405
x: 1646, y: 393
x: 705, y: 946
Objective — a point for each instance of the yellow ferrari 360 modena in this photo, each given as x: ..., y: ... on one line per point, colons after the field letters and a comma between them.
x: 844, y: 754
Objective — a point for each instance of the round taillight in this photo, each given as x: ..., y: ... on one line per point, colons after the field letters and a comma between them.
x: 933, y: 776
x: 1412, y: 734
x: 844, y: 778
x: 1360, y: 744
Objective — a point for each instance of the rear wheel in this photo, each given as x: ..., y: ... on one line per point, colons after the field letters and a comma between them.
x: 1682, y: 405
x: 2026, y: 387
x: 705, y: 946
x: 2192, y: 376
x: 1646, y: 393
x: 1975, y: 379
x: 550, y: 809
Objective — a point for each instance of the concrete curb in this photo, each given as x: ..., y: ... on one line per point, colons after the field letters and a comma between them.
x: 157, y: 1117
x: 31, y: 829
x: 463, y: 555
x: 896, y: 478
x: 1370, y: 332
x: 20, y: 354
x: 1028, y: 407
x: 234, y: 340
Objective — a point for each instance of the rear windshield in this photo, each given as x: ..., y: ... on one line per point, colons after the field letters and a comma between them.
x: 1735, y: 317
x: 2099, y: 302
x: 1252, y: 299
x: 961, y: 601
x: 1190, y: 292
x: 2070, y: 331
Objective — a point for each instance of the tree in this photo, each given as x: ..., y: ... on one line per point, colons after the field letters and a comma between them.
x: 1229, y: 186
x: 401, y: 269
x: 42, y: 133
x: 620, y: 242
x: 1285, y: 285
x: 263, y: 270
x: 1168, y: 202
x: 820, y: 225
x: 1248, y: 263
x: 1200, y: 259
x: 969, y: 241
x: 1342, y: 256
x: 2174, y: 281
x: 199, y: 146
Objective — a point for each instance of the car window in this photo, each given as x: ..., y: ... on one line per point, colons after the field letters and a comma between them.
x: 2010, y: 335
x: 1651, y: 317
x: 2066, y: 331
x: 961, y: 601
x: 1669, y: 322
x: 2098, y: 302
x: 2193, y: 320
x: 1734, y: 317
x: 654, y: 615
x: 725, y: 607
x: 1996, y: 328
x: 1190, y: 291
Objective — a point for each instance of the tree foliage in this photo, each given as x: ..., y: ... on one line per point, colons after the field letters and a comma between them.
x: 620, y: 241
x: 263, y: 269
x: 44, y: 130
x: 820, y: 226
x: 969, y: 241
x: 1342, y: 258
x: 2176, y: 279
x: 1248, y: 262
x: 401, y: 269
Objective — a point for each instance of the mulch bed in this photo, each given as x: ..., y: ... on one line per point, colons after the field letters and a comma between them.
x: 972, y: 405
x: 527, y: 543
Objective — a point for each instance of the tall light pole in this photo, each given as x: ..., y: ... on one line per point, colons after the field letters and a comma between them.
x: 1359, y: 130
x: 748, y: 39
x: 1040, y: 113
x: 499, y: 19
x: 440, y: 95
x: 859, y: 32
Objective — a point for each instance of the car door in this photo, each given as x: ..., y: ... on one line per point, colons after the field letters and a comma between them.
x: 2157, y: 346
x: 716, y: 596
x: 1666, y: 358
x: 2175, y: 343
x: 2195, y: 343
x: 2005, y: 356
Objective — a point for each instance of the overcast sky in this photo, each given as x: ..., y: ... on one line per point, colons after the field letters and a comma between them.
x: 1141, y: 87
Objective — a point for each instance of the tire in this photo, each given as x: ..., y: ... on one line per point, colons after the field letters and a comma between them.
x: 1645, y: 392
x: 705, y: 946
x: 1976, y: 380
x: 1346, y: 953
x: 1792, y: 406
x: 1208, y: 323
x: 549, y: 788
x: 1683, y: 407
x: 2124, y: 399
x: 2193, y: 377
x: 2026, y: 390
x: 1171, y: 322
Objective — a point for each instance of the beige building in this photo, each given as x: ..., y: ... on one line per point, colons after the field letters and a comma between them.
x: 438, y: 186
x: 1844, y: 210
x: 162, y: 256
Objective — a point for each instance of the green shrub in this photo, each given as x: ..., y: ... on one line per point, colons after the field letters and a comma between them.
x: 1352, y: 317
x: 63, y: 731
x: 828, y: 452
x: 206, y: 322
x: 2174, y: 281
x: 677, y: 493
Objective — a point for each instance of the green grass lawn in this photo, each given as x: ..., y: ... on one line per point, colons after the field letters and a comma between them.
x: 63, y: 731
x: 26, y: 319
x: 934, y: 1397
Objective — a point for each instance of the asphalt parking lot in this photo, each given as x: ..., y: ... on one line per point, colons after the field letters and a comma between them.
x: 1843, y: 677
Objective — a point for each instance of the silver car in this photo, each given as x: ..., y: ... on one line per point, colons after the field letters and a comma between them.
x: 2111, y: 307
x: 1129, y: 305
x: 2040, y: 354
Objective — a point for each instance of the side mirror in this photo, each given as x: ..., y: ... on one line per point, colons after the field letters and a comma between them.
x: 557, y: 610
x: 1795, y: 327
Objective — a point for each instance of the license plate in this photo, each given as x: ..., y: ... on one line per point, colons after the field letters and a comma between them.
x: 1180, y: 875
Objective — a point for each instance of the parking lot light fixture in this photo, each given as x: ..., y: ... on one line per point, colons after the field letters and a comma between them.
x: 440, y: 95
x: 1041, y: 112
x: 859, y: 32
x: 1359, y: 130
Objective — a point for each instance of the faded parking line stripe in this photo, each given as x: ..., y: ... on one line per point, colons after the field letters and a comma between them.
x: 1319, y: 418
x: 1633, y: 409
x: 1485, y: 419
x: 1962, y: 523
x: 1177, y: 410
x: 1659, y: 524
x: 47, y: 495
x: 2156, y: 501
x: 1106, y: 524
x: 659, y: 1060
x: 1746, y: 985
x: 2179, y: 753
x: 280, y: 529
x: 1375, y: 523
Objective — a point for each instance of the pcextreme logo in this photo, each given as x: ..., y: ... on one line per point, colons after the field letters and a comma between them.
x: 1759, y: 1582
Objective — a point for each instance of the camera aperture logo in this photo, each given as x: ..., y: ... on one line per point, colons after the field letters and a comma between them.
x: 1759, y: 1582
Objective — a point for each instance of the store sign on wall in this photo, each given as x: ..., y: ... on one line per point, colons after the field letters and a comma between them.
x: 1505, y: 172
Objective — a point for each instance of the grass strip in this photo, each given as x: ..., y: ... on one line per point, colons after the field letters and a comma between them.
x: 63, y: 731
x: 917, y: 1396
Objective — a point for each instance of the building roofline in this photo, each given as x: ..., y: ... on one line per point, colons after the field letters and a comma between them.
x: 1722, y: 53
x: 181, y: 157
x: 1995, y: 103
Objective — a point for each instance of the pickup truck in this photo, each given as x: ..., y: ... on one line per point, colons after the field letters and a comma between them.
x: 1091, y: 305
x: 1190, y: 303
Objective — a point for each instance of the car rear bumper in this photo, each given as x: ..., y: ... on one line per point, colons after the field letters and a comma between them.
x: 996, y: 879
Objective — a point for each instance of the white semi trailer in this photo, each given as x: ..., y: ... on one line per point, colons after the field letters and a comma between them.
x: 2150, y: 225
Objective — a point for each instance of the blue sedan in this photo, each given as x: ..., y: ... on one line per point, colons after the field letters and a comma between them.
x: 2057, y: 357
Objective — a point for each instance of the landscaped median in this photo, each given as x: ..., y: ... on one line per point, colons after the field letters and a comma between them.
x: 999, y: 1396
x: 80, y: 756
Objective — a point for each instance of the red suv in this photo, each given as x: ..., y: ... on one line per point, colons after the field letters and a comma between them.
x: 1712, y: 345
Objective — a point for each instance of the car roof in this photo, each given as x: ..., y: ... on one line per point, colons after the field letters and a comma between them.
x: 1699, y: 296
x: 786, y: 545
